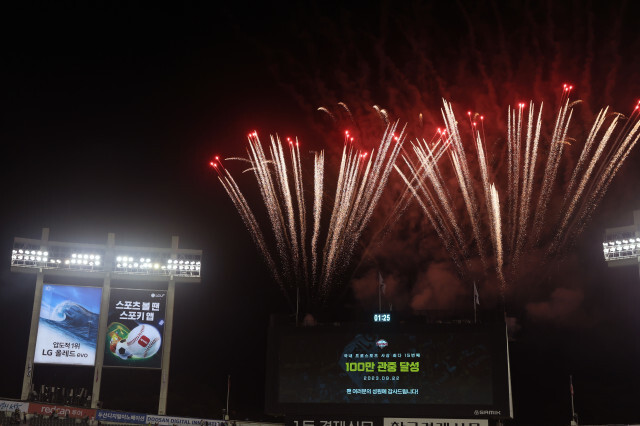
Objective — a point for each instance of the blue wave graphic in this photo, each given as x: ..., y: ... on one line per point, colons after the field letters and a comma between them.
x: 75, y: 320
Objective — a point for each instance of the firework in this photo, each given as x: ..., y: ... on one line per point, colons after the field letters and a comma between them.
x: 512, y: 229
x: 301, y: 267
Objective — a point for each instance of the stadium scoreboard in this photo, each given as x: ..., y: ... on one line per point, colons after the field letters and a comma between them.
x: 442, y: 370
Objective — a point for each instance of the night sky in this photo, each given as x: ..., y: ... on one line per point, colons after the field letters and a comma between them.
x: 110, y: 113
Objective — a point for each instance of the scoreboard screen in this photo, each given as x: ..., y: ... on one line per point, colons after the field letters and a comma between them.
x: 389, y: 369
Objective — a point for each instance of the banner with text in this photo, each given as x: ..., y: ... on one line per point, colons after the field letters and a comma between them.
x: 135, y: 327
x: 333, y: 421
x: 167, y: 420
x: 8, y: 405
x: 61, y: 410
x: 391, y: 421
x: 121, y: 417
x: 68, y: 326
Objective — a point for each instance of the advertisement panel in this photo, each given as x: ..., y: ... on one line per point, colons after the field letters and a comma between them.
x: 333, y: 421
x: 404, y: 370
x: 135, y: 327
x: 168, y: 420
x: 435, y: 422
x: 68, y: 326
x: 61, y: 410
x: 120, y: 417
x: 9, y: 405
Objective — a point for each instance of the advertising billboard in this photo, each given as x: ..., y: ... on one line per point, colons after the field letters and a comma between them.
x: 121, y: 417
x: 11, y: 406
x: 135, y: 327
x: 68, y: 325
x: 168, y: 420
x: 442, y: 370
x: 61, y: 410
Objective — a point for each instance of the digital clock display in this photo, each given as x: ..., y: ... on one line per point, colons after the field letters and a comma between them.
x: 381, y: 317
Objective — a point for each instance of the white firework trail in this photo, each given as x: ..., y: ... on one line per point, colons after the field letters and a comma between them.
x: 463, y: 176
x: 385, y: 116
x: 492, y: 200
x: 346, y: 108
x: 282, y: 178
x: 436, y: 201
x: 511, y: 126
x: 515, y: 143
x: 601, y: 157
x: 572, y: 199
x: 272, y: 202
x: 318, y: 185
x: 361, y: 181
x: 584, y: 156
x: 358, y: 200
x: 326, y: 111
x: 496, y: 233
x: 551, y: 168
x: 302, y: 211
x: 250, y: 222
x: 623, y: 144
x: 521, y: 215
x: 379, y: 111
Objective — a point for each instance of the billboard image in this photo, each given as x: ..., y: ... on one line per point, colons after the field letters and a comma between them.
x: 439, y: 369
x: 68, y: 325
x: 61, y: 410
x: 135, y: 328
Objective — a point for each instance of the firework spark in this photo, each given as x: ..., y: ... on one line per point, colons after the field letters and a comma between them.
x: 603, y: 152
x: 300, y: 265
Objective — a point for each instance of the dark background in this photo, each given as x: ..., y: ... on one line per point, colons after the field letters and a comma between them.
x: 110, y: 112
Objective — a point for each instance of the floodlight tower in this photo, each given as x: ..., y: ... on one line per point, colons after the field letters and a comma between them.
x: 108, y: 262
x: 621, y: 245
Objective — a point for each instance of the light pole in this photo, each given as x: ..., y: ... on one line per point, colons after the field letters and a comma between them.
x: 107, y: 262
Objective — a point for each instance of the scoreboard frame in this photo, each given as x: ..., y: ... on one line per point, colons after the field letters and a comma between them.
x: 496, y: 340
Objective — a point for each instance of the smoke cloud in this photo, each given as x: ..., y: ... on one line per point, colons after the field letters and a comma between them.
x: 562, y: 307
x: 437, y: 288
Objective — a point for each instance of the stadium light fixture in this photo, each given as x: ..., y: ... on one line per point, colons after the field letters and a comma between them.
x: 141, y: 262
x: 621, y: 245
